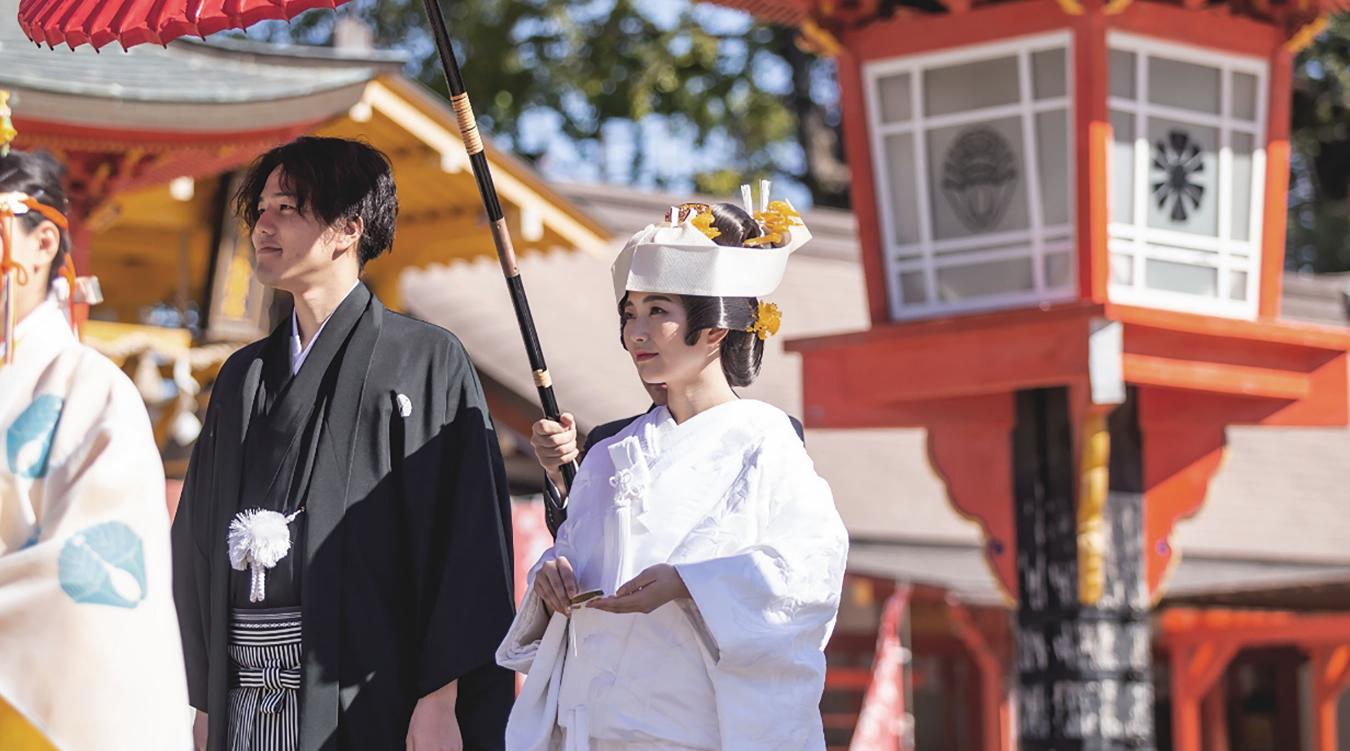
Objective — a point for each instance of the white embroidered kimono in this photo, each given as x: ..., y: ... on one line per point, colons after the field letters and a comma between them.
x: 89, y: 646
x: 731, y: 499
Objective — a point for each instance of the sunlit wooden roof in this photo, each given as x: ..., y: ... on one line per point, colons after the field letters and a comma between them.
x: 140, y: 238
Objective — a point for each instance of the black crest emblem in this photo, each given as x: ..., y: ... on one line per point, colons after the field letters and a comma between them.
x: 979, y: 176
x: 1177, y: 161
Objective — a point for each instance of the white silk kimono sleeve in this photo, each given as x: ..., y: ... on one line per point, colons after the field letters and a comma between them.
x: 770, y: 607
x: 521, y: 644
x: 89, y: 645
x: 535, y: 644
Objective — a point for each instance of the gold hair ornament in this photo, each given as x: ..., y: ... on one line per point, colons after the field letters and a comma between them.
x: 703, y: 222
x: 700, y: 215
x: 777, y: 219
x: 767, y: 321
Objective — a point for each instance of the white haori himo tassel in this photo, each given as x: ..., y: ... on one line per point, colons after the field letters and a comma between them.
x: 258, y: 540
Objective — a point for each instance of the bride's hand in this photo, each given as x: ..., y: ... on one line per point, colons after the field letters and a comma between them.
x: 557, y: 585
x: 648, y: 591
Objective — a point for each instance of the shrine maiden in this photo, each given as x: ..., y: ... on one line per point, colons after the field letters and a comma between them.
x: 89, y: 650
x: 714, y: 547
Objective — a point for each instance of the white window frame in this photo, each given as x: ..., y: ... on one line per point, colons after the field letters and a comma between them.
x: 1222, y: 252
x: 1040, y: 240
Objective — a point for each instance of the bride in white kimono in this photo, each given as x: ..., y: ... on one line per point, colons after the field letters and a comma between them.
x: 714, y: 547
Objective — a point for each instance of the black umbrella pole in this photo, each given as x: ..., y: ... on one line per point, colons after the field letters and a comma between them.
x: 501, y: 234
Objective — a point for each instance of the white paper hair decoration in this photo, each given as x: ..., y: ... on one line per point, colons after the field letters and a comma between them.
x: 676, y: 257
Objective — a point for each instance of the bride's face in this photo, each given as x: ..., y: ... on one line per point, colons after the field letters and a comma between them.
x: 654, y: 329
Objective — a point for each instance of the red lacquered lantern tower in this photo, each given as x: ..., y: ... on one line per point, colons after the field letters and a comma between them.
x: 1072, y: 217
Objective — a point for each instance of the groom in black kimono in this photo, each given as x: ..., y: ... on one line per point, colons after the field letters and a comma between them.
x: 361, y: 438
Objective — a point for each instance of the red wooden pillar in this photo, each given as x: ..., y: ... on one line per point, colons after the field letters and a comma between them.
x: 995, y: 709
x: 1331, y: 676
x: 1196, y: 668
x: 1214, y: 711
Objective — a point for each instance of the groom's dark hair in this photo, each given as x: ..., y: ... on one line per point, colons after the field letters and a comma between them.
x: 333, y: 179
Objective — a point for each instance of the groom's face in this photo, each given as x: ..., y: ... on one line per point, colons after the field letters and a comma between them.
x: 294, y: 249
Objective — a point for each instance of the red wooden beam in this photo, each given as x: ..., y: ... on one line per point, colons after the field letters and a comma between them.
x: 1267, y: 383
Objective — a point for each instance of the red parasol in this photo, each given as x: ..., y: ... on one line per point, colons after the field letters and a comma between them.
x: 131, y: 22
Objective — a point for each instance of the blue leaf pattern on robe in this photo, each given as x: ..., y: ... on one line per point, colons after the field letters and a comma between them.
x: 28, y: 442
x: 104, y: 565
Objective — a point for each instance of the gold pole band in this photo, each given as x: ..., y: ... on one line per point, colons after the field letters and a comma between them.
x: 468, y: 126
x: 542, y: 379
x: 1093, y: 527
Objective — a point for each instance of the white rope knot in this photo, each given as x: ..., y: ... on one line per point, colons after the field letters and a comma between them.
x: 258, y: 540
x: 629, y: 485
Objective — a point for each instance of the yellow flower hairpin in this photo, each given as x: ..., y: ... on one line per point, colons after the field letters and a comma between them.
x: 767, y: 321
x: 776, y: 220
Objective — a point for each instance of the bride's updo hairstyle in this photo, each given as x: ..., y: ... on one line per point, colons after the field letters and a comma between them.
x: 741, y: 351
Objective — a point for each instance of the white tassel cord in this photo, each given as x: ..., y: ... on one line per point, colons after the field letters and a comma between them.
x: 258, y: 540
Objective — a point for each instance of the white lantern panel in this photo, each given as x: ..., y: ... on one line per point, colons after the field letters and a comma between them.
x: 1237, y: 285
x: 893, y: 95
x: 1182, y: 181
x: 1059, y: 269
x: 1047, y: 74
x: 1122, y: 269
x: 1122, y: 167
x: 970, y: 86
x: 1190, y: 279
x: 1188, y: 86
x: 1122, y: 68
x: 988, y: 279
x: 1244, y: 97
x: 1243, y: 145
x: 977, y: 179
x: 1052, y: 155
x: 900, y: 181
x: 913, y: 289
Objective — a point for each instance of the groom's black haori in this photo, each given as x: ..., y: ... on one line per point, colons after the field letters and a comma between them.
x: 401, y: 566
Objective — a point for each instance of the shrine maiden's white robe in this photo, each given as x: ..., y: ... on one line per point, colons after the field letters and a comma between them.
x: 731, y: 499
x: 89, y: 647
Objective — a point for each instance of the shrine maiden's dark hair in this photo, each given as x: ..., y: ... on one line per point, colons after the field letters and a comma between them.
x: 742, y: 352
x: 335, y: 180
x: 39, y: 175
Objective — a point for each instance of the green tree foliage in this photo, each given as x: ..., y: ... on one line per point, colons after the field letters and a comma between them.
x: 748, y: 97
x: 1319, y: 209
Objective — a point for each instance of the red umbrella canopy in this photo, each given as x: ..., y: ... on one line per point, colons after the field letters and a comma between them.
x: 131, y: 22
